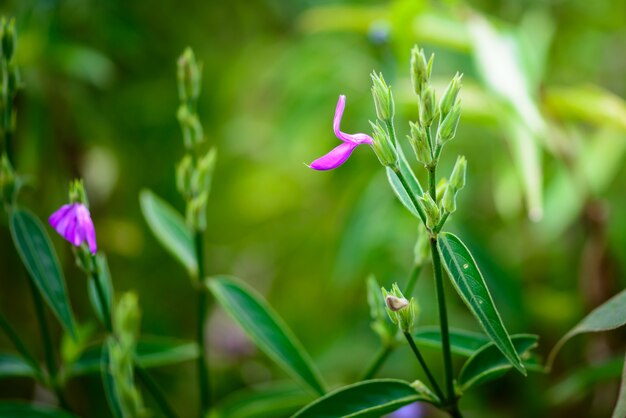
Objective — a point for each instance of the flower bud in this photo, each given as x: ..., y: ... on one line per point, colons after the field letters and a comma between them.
x: 420, y: 70
x: 395, y: 304
x: 383, y: 98
x: 184, y: 173
x: 450, y: 95
x: 448, y: 202
x: 457, y: 178
x: 8, y: 38
x: 206, y: 165
x: 420, y: 144
x: 189, y: 74
x: 77, y: 192
x: 7, y: 181
x: 384, y: 149
x: 428, y: 106
x: 190, y: 125
x: 433, y: 214
x: 447, y: 128
x: 401, y: 311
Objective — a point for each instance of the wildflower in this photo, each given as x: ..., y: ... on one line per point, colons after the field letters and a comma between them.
x: 413, y: 410
x: 340, y: 154
x: 73, y: 222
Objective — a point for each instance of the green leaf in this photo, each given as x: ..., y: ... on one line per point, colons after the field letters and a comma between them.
x: 150, y: 352
x: 108, y: 382
x: 25, y: 410
x: 489, y: 362
x: 470, y: 285
x: 170, y: 229
x: 266, y: 329
x: 464, y: 343
x: 14, y: 366
x: 104, y: 276
x: 610, y: 315
x: 38, y: 255
x: 278, y: 400
x: 368, y: 399
x: 620, y: 407
x: 413, y: 183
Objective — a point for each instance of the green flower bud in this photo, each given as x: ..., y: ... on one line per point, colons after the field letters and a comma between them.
x: 8, y: 181
x: 8, y: 39
x: 457, y: 178
x: 420, y: 69
x: 127, y: 318
x: 196, y: 211
x: 449, y: 199
x: 77, y: 192
x: 206, y: 165
x: 184, y: 173
x: 190, y: 125
x: 447, y: 128
x: 449, y: 97
x: 384, y: 149
x: 433, y: 214
x: 189, y: 74
x: 420, y: 144
x: 428, y: 106
x: 401, y: 311
x: 383, y: 98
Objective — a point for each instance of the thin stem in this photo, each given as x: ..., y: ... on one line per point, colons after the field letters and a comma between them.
x: 432, y: 181
x: 422, y: 362
x: 378, y: 362
x: 441, y: 223
x: 154, y: 390
x: 410, y: 284
x: 106, y: 314
x: 18, y: 343
x: 202, y: 363
x: 407, y: 188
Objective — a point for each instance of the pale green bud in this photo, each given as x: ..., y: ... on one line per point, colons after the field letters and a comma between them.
x: 384, y: 149
x: 447, y: 128
x: 420, y: 144
x: 190, y: 125
x: 420, y: 69
x: 457, y: 178
x: 77, y: 192
x: 189, y: 74
x: 431, y: 209
x: 206, y: 165
x: 401, y: 311
x: 8, y: 38
x: 8, y: 181
x: 383, y: 98
x: 428, y: 106
x: 448, y: 202
x: 127, y: 318
x: 184, y: 174
x: 449, y: 97
x: 196, y: 211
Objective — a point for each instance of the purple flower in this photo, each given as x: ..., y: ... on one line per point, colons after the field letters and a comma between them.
x: 73, y: 222
x: 340, y: 154
x: 414, y: 410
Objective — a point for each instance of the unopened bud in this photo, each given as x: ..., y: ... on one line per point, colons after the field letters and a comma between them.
x: 395, y: 304
x: 450, y: 95
x: 383, y: 98
x: 184, y: 172
x: 448, y: 202
x: 433, y: 214
x: 77, y: 192
x: 8, y: 38
x: 384, y: 149
x: 189, y: 74
x: 421, y: 145
x: 447, y: 128
x: 190, y: 125
x: 420, y: 69
x: 7, y: 181
x: 401, y: 311
x: 428, y: 106
x: 457, y: 178
x: 206, y: 165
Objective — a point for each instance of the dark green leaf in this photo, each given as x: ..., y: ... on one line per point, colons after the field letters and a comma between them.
x: 489, y: 362
x: 608, y: 316
x: 368, y: 399
x: 14, y: 366
x: 170, y: 229
x: 470, y: 285
x: 25, y: 410
x: 620, y: 407
x: 278, y: 400
x: 463, y: 343
x: 266, y: 329
x: 38, y: 255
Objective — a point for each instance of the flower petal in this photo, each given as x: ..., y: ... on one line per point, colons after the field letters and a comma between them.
x: 335, y: 158
x: 73, y: 222
x: 88, y: 229
x: 341, y: 105
x: 59, y: 215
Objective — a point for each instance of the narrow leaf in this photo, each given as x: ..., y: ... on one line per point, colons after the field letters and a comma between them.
x: 14, y: 366
x: 489, y: 362
x: 413, y: 183
x: 278, y: 400
x: 464, y: 343
x: 610, y: 315
x: 368, y: 399
x: 24, y: 410
x: 620, y: 407
x: 170, y: 229
x: 266, y: 329
x: 38, y: 255
x: 470, y: 285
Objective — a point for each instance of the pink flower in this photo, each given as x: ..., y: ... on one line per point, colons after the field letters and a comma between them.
x: 340, y: 154
x: 73, y: 222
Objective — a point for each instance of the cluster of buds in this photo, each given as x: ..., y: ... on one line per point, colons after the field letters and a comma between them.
x: 382, y: 142
x: 121, y: 355
x: 401, y: 311
x: 194, y: 172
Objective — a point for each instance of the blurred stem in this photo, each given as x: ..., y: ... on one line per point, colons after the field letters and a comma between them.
x: 106, y: 314
x: 378, y: 362
x: 410, y: 284
x: 203, y: 369
x: 7, y: 100
x: 18, y: 343
x: 422, y: 362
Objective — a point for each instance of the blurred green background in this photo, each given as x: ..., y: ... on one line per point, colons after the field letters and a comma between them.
x: 543, y: 129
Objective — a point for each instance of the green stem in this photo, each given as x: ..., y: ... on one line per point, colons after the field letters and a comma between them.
x: 18, y: 343
x: 202, y: 363
x: 410, y: 284
x: 432, y: 181
x: 106, y: 314
x: 378, y: 362
x: 408, y: 191
x: 153, y: 388
x: 422, y: 362
x: 441, y: 223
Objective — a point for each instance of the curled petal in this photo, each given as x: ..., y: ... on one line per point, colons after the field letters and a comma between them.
x: 341, y: 105
x: 335, y: 158
x: 59, y: 215
x: 73, y: 222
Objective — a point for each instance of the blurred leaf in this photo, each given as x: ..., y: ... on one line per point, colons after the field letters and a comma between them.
x: 340, y: 18
x: 488, y: 363
x: 464, y: 343
x: 620, y: 406
x: 108, y: 382
x: 170, y: 229
x: 104, y: 277
x: 25, y: 410
x: 276, y: 400
x: 14, y: 366
x: 150, y: 352
x: 265, y: 328
x: 71, y: 349
x: 84, y: 63
x: 587, y: 103
x: 38, y: 255
x: 610, y: 315
x: 368, y: 399
x: 470, y: 285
